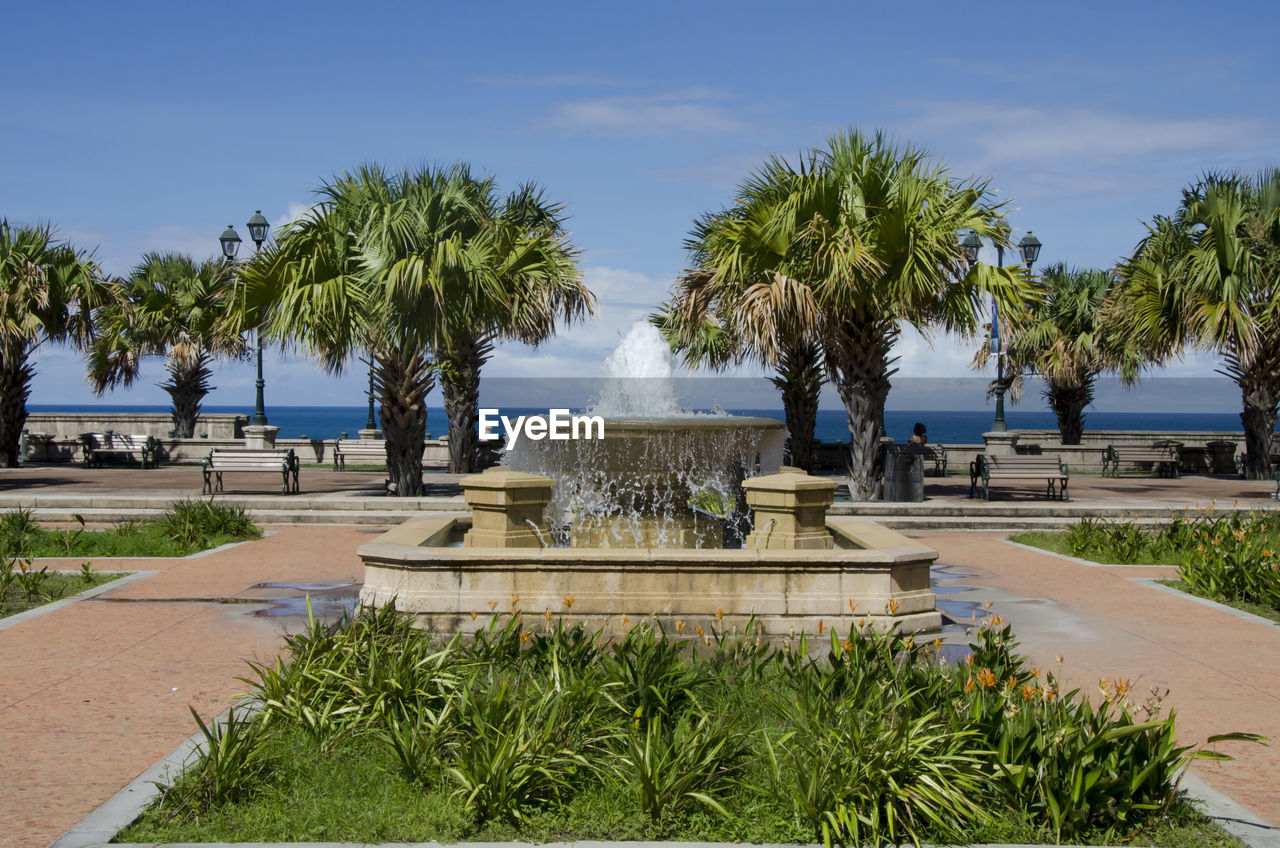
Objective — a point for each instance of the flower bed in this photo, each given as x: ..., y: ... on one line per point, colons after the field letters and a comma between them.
x: 377, y: 731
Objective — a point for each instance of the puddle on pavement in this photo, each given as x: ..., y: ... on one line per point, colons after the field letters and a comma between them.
x: 957, y: 616
x: 329, y: 601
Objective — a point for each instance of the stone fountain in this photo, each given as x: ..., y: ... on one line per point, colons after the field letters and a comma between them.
x: 602, y: 532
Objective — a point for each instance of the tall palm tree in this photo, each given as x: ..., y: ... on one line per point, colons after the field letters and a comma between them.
x: 1063, y: 337
x: 538, y: 284
x: 1209, y: 277
x: 862, y: 238
x: 392, y: 265
x: 761, y: 329
x: 174, y: 307
x: 49, y: 291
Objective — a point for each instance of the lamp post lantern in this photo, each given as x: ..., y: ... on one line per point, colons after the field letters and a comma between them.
x: 1029, y: 247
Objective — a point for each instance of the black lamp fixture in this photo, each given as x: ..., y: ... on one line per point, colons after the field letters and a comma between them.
x: 258, y: 227
x: 230, y: 243
x: 1029, y: 247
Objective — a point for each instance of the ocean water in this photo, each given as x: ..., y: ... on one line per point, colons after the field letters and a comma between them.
x: 958, y: 427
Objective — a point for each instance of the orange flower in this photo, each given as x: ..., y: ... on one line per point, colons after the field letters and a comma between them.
x: 524, y: 636
x: 493, y: 605
x: 568, y: 601
x: 893, y: 606
x: 820, y: 627
x: 846, y: 644
x: 968, y: 684
x: 547, y: 614
x: 625, y: 619
x: 987, y: 677
x: 719, y: 614
x: 1028, y: 692
x: 698, y: 628
x: 473, y: 615
x: 853, y: 607
x: 515, y: 599
x: 679, y: 626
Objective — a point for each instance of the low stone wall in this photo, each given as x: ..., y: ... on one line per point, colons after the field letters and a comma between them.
x: 40, y: 448
x: 159, y: 424
x: 1201, y: 451
x: 882, y: 574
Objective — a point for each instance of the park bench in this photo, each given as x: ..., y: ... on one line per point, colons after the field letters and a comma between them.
x: 95, y: 447
x: 935, y: 457
x: 220, y: 462
x: 1163, y: 458
x: 986, y: 470
x: 371, y: 451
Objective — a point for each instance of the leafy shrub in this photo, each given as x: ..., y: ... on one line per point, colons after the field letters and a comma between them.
x: 872, y: 743
x: 197, y: 523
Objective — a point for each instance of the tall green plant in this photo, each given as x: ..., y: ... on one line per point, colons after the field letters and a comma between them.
x: 851, y: 245
x: 49, y: 291
x: 1208, y: 277
x: 174, y: 307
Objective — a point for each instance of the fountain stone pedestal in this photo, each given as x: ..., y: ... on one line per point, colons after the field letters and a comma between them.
x: 790, y: 511
x: 507, y: 509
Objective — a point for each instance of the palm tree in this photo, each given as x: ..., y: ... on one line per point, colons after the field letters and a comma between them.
x: 1062, y: 337
x: 538, y: 284
x: 1209, y: 277
x: 860, y: 239
x: 382, y: 264
x: 170, y: 306
x: 49, y: 291
x: 762, y: 330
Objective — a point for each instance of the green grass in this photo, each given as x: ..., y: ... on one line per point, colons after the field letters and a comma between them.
x: 51, y: 586
x: 1058, y: 543
x: 1259, y: 610
x: 353, y: 793
x: 186, y: 527
x: 378, y: 731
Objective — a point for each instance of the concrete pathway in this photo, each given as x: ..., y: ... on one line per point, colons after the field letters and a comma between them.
x: 94, y: 693
x: 1222, y: 672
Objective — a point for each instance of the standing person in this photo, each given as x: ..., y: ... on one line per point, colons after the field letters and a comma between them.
x: 919, y: 435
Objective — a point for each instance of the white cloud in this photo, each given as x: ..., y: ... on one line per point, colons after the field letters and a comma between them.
x: 1011, y: 133
x: 692, y: 110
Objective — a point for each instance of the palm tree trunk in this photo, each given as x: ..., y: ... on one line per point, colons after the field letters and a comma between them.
x: 1068, y: 403
x: 1261, y: 396
x: 1259, y: 382
x: 402, y: 380
x: 188, y: 384
x: 859, y: 362
x: 460, y: 385
x: 16, y: 374
x: 800, y: 379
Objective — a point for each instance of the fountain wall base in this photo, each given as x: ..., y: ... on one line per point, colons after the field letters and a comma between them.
x: 452, y: 589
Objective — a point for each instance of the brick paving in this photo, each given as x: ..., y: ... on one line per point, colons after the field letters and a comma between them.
x: 95, y: 693
x: 1222, y: 672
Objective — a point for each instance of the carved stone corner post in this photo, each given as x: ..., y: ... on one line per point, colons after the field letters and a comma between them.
x: 507, y: 509
x: 790, y: 511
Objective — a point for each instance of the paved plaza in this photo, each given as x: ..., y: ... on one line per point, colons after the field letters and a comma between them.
x: 93, y: 693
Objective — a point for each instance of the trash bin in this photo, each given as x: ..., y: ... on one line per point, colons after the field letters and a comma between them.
x: 903, y: 474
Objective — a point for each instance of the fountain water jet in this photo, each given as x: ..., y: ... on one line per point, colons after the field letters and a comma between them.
x: 633, y: 488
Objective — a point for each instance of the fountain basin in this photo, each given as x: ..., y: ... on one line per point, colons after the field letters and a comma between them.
x: 631, y: 489
x: 420, y: 568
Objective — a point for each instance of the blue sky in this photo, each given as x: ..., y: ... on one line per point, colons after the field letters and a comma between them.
x: 141, y: 126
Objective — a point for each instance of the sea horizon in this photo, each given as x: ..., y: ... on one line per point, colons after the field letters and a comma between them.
x: 944, y: 426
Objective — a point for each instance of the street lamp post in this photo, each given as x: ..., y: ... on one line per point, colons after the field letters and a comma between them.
x: 230, y: 241
x: 1029, y: 247
x: 370, y: 424
x: 258, y: 227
